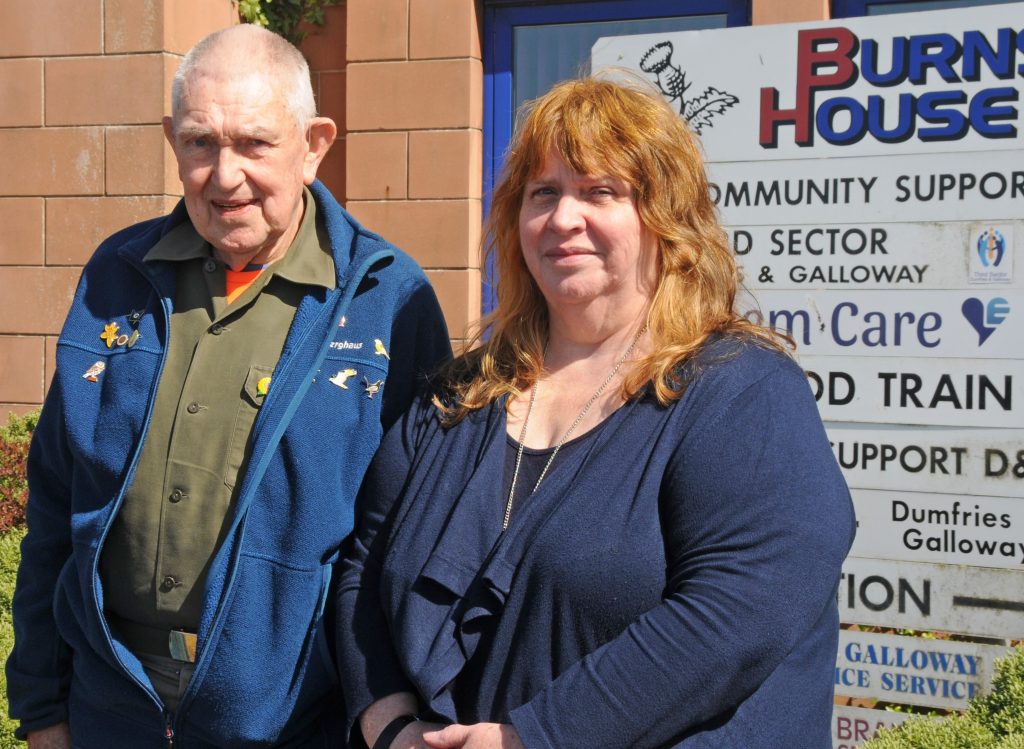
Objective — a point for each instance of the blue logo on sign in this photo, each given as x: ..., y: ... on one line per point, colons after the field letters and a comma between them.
x: 984, y: 318
x: 991, y: 247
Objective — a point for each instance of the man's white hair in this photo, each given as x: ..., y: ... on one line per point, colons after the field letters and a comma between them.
x: 269, y: 53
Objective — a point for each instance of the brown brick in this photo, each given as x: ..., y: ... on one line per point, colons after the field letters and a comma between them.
x: 445, y: 164
x: 76, y: 226
x: 21, y: 91
x: 325, y: 47
x: 21, y: 240
x: 377, y: 165
x: 119, y: 90
x: 444, y: 28
x: 331, y: 97
x: 52, y: 161
x: 415, y: 95
x: 133, y: 26
x: 51, y: 27
x: 459, y: 294
x: 140, y: 162
x: 171, y: 64
x: 772, y: 11
x: 17, y: 409
x: 21, y: 369
x: 438, y: 233
x: 188, y: 21
x: 377, y: 29
x: 35, y: 300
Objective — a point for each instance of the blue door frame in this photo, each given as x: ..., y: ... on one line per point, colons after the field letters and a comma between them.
x: 500, y: 19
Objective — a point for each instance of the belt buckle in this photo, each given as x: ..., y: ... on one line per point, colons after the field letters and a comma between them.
x: 182, y: 645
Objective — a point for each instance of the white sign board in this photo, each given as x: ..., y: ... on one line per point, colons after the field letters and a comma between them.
x: 852, y: 726
x: 936, y: 597
x: 915, y: 527
x: 985, y: 324
x: 930, y: 459
x: 913, y: 671
x: 913, y: 83
x: 959, y: 187
x: 953, y: 255
x: 945, y: 392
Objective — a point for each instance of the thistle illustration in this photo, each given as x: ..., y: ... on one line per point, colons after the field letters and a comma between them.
x: 671, y: 80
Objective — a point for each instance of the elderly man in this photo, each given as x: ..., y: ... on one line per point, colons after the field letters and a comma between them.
x: 223, y: 378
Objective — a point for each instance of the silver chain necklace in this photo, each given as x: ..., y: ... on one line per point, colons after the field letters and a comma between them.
x: 579, y: 418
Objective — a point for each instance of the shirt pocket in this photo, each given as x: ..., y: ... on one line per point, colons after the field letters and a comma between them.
x: 254, y: 391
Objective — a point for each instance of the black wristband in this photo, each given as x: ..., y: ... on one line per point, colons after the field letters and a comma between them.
x: 391, y: 731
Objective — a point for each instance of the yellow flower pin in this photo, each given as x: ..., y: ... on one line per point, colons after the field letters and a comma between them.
x: 263, y: 386
x: 379, y: 350
x: 109, y: 333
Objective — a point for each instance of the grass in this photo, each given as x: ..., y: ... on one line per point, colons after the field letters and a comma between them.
x: 9, y: 555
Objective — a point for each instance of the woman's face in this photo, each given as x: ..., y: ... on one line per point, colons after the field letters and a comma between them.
x: 582, y: 239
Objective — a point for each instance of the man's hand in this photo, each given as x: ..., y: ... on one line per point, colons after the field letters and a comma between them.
x: 476, y: 736
x: 54, y: 737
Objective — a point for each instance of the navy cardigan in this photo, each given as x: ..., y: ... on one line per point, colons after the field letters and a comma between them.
x: 672, y: 583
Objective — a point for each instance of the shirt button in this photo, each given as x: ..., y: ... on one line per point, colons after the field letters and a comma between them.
x: 217, y: 329
x: 169, y: 583
x: 210, y: 265
x: 193, y: 408
x: 177, y: 495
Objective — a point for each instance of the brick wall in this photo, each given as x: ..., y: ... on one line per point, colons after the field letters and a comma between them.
x: 83, y: 85
x: 414, y: 144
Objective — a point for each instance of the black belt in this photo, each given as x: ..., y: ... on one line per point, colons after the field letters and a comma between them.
x: 178, y: 644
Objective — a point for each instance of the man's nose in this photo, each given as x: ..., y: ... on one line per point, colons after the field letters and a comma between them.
x: 227, y: 170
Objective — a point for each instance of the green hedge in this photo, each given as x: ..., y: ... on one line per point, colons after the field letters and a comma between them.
x: 992, y: 721
x: 9, y: 555
x: 14, y: 439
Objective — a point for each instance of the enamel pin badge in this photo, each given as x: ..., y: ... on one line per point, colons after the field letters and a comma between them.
x: 342, y: 376
x: 379, y: 350
x: 109, y: 333
x: 92, y: 374
x: 134, y: 318
x: 372, y: 388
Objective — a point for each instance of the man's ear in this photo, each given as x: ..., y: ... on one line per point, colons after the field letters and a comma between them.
x: 322, y: 132
x: 169, y: 130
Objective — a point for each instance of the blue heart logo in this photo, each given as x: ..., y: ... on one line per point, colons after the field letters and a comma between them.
x: 985, y: 318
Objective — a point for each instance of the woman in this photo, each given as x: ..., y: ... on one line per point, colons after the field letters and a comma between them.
x: 618, y: 521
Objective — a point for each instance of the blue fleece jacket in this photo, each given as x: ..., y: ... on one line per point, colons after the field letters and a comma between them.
x: 672, y: 583
x: 264, y: 674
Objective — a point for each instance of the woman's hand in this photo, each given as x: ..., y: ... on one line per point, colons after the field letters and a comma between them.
x: 411, y: 736
x: 476, y: 736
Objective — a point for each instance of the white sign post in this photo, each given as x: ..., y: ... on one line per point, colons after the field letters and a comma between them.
x: 912, y: 670
x: 870, y: 173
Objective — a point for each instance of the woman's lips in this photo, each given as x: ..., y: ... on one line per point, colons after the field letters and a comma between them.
x: 567, y: 254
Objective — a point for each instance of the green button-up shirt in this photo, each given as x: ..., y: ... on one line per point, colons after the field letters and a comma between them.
x: 220, y: 358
